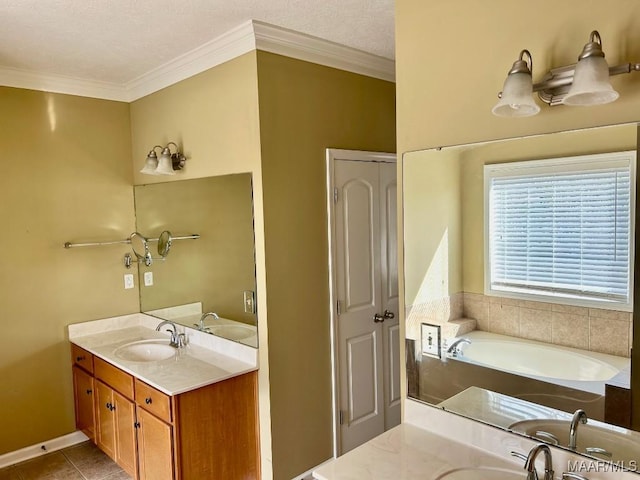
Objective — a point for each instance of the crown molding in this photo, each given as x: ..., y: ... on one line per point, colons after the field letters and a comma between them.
x: 232, y: 44
x: 251, y: 35
x: 13, y: 77
x: 289, y: 43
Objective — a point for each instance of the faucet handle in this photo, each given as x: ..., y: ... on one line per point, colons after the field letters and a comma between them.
x: 182, y: 340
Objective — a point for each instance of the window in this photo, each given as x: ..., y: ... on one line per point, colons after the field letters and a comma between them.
x: 561, y: 230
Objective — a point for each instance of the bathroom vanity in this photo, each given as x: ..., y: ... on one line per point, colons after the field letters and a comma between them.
x: 162, y: 412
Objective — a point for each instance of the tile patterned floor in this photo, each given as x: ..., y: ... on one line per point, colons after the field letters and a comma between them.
x: 79, y: 462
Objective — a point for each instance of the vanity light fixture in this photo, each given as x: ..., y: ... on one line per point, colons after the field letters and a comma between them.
x: 583, y: 84
x: 168, y: 162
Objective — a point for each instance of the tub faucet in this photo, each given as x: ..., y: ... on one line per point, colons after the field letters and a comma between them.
x: 454, y: 349
x: 530, y: 463
x: 578, y: 417
x: 178, y: 340
x: 200, y: 325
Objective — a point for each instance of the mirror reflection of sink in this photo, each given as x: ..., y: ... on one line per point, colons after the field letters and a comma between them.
x: 592, y: 439
x: 233, y: 332
x: 482, y: 473
x: 146, y: 351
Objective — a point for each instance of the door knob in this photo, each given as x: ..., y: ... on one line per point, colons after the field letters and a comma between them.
x: 377, y: 318
x: 388, y: 314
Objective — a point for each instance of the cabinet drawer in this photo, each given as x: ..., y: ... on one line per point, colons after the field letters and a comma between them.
x: 114, y: 377
x: 154, y: 401
x: 82, y: 358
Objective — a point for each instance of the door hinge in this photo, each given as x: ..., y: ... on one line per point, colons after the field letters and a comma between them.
x: 338, y: 309
x: 341, y: 417
x: 335, y: 195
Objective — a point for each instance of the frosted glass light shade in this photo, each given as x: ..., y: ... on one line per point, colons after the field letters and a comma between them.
x: 517, y: 97
x: 591, y: 84
x: 165, y: 165
x: 150, y: 165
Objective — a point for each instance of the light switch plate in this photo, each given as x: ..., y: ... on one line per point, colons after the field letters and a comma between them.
x: 148, y: 279
x: 430, y: 339
x: 128, y: 280
x: 249, y: 299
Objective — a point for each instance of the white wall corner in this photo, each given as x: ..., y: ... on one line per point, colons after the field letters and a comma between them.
x: 290, y: 43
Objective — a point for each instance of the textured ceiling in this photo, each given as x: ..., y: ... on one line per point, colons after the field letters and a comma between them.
x: 117, y: 41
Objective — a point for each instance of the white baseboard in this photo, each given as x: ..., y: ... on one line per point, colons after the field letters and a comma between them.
x: 42, y: 448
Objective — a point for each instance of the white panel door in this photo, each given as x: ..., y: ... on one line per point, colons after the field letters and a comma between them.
x: 366, y: 287
x: 389, y: 292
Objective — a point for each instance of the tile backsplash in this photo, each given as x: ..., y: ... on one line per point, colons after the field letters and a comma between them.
x: 594, y: 329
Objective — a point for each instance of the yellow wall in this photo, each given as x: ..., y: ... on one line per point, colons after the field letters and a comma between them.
x: 66, y: 177
x: 432, y: 214
x: 304, y: 109
x: 452, y: 59
x: 214, y: 117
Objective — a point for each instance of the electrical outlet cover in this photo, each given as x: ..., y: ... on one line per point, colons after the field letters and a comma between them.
x: 430, y: 339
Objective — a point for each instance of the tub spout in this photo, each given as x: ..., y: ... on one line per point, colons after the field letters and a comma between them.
x: 578, y: 417
x: 454, y: 349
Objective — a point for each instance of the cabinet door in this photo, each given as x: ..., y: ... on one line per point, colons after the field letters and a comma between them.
x: 83, y: 389
x: 106, y: 428
x: 125, y: 418
x: 155, y: 447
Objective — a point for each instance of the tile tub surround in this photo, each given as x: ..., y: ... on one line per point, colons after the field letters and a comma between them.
x: 207, y: 359
x: 428, y: 443
x: 594, y: 329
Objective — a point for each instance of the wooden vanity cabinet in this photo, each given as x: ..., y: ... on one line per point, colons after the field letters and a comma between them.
x: 209, y: 432
x: 84, y: 391
x: 116, y: 415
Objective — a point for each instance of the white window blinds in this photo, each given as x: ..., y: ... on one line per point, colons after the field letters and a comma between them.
x: 562, y: 227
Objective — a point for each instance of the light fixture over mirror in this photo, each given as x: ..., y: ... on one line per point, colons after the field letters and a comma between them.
x: 168, y: 162
x: 583, y: 84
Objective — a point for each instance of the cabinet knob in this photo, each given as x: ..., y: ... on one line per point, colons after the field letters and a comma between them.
x: 388, y: 314
x: 136, y: 424
x: 89, y: 391
x: 81, y: 358
x: 108, y: 406
x: 148, y: 400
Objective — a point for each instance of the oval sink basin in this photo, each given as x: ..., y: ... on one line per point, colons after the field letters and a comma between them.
x: 482, y: 473
x: 233, y: 332
x: 596, y: 441
x: 146, y: 351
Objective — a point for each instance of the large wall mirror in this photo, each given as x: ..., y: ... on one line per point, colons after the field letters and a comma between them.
x: 211, y: 273
x: 524, y: 362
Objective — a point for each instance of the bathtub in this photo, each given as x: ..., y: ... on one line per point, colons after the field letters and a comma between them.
x: 570, y: 367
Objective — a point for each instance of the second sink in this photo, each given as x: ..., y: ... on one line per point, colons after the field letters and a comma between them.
x: 146, y: 351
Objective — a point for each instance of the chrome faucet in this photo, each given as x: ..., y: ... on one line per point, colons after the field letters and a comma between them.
x: 178, y: 340
x: 454, y: 349
x: 530, y: 463
x: 200, y: 325
x: 579, y: 417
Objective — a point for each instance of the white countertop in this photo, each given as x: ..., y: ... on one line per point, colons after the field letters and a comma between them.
x: 429, y: 443
x: 206, y: 360
x: 407, y: 452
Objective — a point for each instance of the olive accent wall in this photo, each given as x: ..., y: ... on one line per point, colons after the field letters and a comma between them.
x: 304, y: 109
x: 66, y: 176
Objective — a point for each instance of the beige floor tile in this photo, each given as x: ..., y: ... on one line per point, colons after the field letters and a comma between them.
x: 53, y: 466
x: 9, y: 473
x: 92, y: 463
